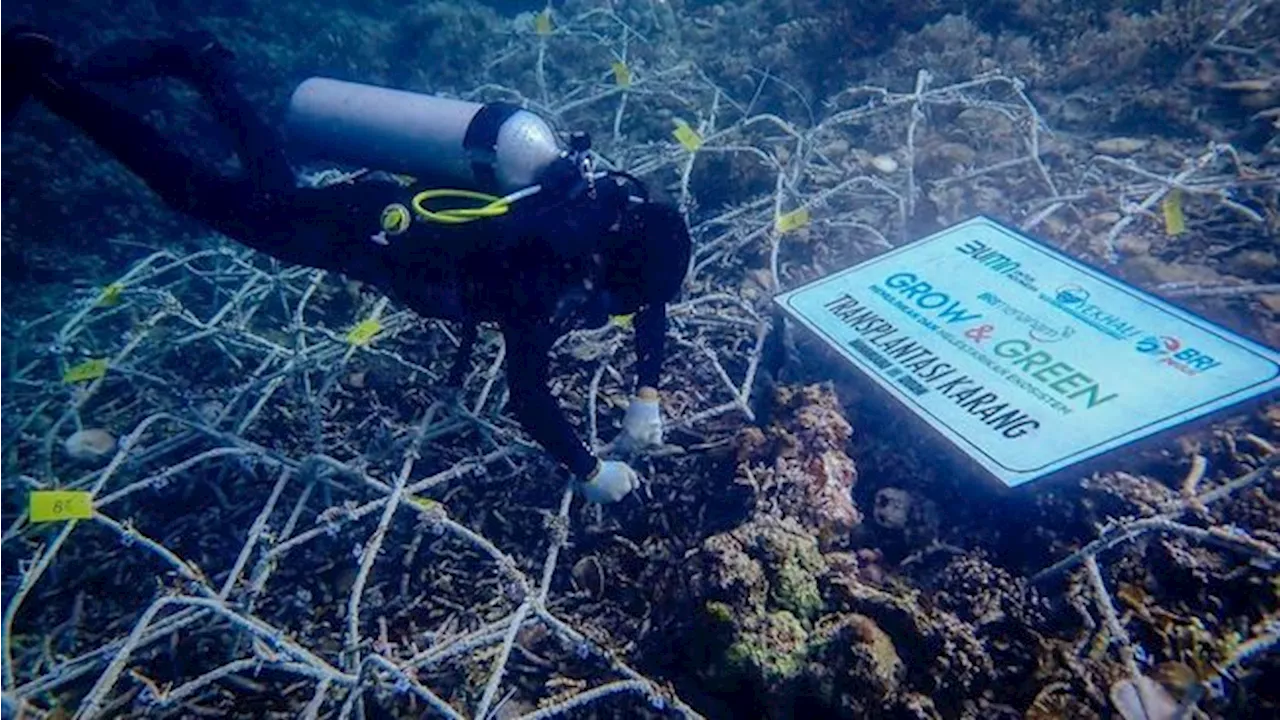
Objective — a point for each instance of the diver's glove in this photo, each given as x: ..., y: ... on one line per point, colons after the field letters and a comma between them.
x: 642, y: 426
x: 609, y: 482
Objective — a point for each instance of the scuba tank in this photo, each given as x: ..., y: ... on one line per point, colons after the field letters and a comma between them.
x: 494, y: 147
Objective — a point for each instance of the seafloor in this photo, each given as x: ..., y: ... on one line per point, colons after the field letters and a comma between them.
x: 291, y: 525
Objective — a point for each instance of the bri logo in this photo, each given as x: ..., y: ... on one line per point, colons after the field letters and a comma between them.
x: 1170, y: 350
x: 1163, y: 345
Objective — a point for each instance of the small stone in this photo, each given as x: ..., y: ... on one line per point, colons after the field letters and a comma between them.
x: 1272, y: 415
x: 1158, y: 272
x: 91, y: 445
x: 836, y: 149
x: 209, y: 410
x: 1133, y: 245
x: 1102, y: 221
x: 761, y: 278
x: 356, y: 380
x: 1054, y: 226
x: 884, y: 164
x: 1249, y: 85
x: 1120, y: 146
x: 1251, y: 264
x: 945, y: 157
x: 986, y: 121
x: 588, y: 576
x: 1074, y: 110
x: 1260, y: 101
x: 1142, y: 699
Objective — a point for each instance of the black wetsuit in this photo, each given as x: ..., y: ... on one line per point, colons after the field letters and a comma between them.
x: 527, y: 270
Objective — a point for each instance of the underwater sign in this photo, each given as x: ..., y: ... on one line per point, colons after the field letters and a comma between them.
x: 1026, y: 359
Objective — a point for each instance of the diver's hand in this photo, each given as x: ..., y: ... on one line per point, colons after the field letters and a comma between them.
x: 642, y: 426
x: 609, y: 482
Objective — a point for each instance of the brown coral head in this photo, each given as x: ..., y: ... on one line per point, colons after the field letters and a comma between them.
x: 892, y: 508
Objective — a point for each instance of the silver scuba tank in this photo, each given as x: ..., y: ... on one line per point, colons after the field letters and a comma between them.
x: 494, y: 147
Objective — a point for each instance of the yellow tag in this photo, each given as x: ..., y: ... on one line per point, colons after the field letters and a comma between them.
x: 364, y: 331
x: 542, y: 22
x: 621, y: 74
x: 1175, y: 223
x: 793, y: 220
x: 426, y: 503
x: 87, y: 370
x: 54, y: 505
x: 687, y: 136
x: 622, y: 321
x: 110, y: 296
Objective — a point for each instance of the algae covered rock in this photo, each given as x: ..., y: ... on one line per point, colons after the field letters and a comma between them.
x: 857, y: 660
x: 770, y: 647
x: 765, y: 563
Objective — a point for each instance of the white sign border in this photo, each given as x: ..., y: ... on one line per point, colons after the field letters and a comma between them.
x: 1009, y: 476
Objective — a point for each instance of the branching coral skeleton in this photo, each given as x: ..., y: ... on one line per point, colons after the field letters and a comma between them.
x: 259, y: 321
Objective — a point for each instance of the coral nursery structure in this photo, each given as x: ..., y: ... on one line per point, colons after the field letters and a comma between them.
x: 292, y: 519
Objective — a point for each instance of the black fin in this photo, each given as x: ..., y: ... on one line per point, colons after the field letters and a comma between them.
x: 194, y: 56
x: 27, y: 55
x: 128, y: 61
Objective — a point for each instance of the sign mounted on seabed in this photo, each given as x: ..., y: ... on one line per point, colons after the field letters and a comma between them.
x: 1025, y: 359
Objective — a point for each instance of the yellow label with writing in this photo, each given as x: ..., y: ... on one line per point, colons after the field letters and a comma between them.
x: 621, y: 74
x: 110, y: 296
x: 54, y: 505
x: 793, y: 220
x: 687, y: 136
x: 364, y: 331
x: 622, y: 321
x: 1175, y: 223
x: 542, y: 22
x: 87, y: 370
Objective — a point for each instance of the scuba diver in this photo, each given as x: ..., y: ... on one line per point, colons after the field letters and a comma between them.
x: 567, y: 245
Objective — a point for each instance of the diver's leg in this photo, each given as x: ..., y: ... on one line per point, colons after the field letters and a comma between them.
x: 182, y: 183
x: 134, y: 59
x: 25, y: 52
x: 326, y: 228
x: 198, y: 58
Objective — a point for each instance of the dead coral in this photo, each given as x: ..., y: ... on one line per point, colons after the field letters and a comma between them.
x: 980, y: 593
x: 858, y: 662
x: 944, y: 656
x: 836, y: 627
x: 799, y: 468
x: 788, y: 621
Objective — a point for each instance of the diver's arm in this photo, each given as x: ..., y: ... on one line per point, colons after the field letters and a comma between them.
x: 528, y: 345
x: 651, y: 333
